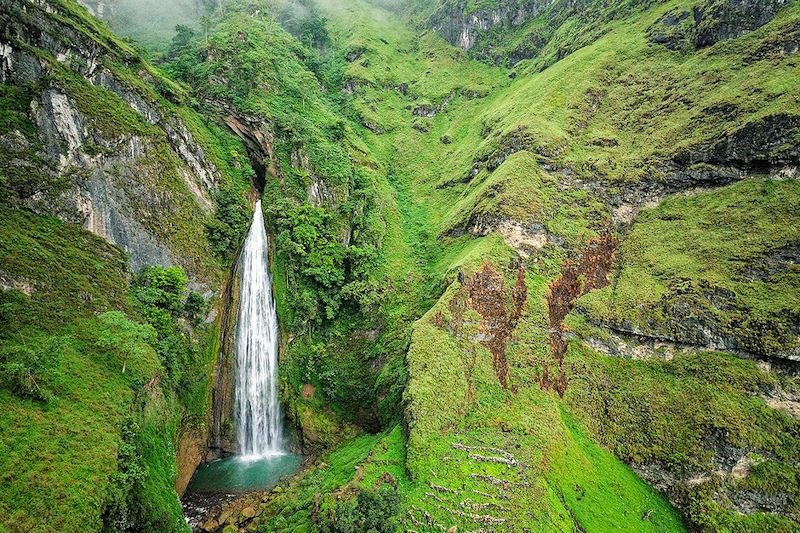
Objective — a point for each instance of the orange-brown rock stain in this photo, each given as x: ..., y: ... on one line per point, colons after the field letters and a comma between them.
x: 487, y: 295
x: 590, y: 271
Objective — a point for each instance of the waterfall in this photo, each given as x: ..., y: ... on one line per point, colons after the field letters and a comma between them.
x: 257, y: 406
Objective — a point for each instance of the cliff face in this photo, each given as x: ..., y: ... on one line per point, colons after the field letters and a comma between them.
x: 711, y: 22
x: 99, y: 8
x: 464, y: 27
x: 95, y: 136
x: 116, y: 171
x: 510, y: 31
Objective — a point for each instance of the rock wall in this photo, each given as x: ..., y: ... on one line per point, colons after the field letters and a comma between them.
x: 712, y: 22
x: 111, y: 174
x: 464, y: 28
x: 99, y: 8
x: 105, y: 151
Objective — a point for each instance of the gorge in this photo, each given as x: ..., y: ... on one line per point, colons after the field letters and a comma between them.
x: 261, y: 458
x: 407, y: 265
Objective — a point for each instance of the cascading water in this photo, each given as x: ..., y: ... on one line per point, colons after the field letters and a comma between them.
x: 262, y: 462
x: 257, y: 406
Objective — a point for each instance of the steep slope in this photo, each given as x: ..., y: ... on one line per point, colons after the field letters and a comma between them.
x: 525, y: 173
x: 316, y: 175
x: 106, y: 373
x: 556, y: 297
x: 105, y: 147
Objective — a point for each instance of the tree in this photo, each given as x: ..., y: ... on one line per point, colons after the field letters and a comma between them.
x: 161, y: 288
x: 313, y: 31
x: 129, y: 339
x: 205, y: 23
x: 195, y: 307
x: 181, y: 42
x: 372, y: 510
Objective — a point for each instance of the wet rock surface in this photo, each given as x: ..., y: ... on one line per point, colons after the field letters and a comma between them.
x: 578, y: 276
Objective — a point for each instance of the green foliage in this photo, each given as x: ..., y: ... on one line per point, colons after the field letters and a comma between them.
x: 28, y: 369
x: 120, y: 337
x: 313, y: 32
x: 227, y: 228
x: 59, y: 462
x: 372, y: 510
x: 292, y: 505
x: 14, y: 106
x: 159, y: 294
x: 195, y: 308
x: 131, y: 472
x: 97, y: 458
x: 307, y: 237
x: 142, y: 497
x: 160, y: 291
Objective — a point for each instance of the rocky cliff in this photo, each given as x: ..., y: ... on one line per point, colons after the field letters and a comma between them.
x: 103, y: 9
x: 116, y: 172
x: 509, y: 32
x: 97, y: 137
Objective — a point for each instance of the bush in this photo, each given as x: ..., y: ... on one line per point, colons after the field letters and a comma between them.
x: 195, y: 308
x: 227, y: 228
x: 158, y: 294
x: 29, y: 369
x: 372, y: 510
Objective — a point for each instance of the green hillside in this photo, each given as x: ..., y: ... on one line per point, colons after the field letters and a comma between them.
x: 535, y: 263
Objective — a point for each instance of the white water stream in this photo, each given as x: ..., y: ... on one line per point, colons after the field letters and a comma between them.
x: 257, y: 406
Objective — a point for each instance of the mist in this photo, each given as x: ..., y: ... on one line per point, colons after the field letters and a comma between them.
x: 151, y: 23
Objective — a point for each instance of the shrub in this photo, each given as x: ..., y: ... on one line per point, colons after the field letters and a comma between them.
x: 372, y: 510
x: 195, y: 307
x: 227, y: 228
x: 28, y: 369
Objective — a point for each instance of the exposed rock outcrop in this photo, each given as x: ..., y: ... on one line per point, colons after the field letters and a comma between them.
x: 112, y: 173
x: 712, y: 22
x: 708, y: 316
x: 464, y: 28
x: 721, y: 20
x: 589, y: 272
x: 99, y: 8
x: 487, y: 295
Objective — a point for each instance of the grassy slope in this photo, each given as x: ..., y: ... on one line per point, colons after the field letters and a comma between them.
x: 652, y: 101
x: 675, y: 257
x: 485, y: 107
x: 687, y: 248
x: 60, y: 460
x: 633, y: 406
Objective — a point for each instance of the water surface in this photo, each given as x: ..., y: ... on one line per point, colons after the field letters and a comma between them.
x: 237, y: 474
